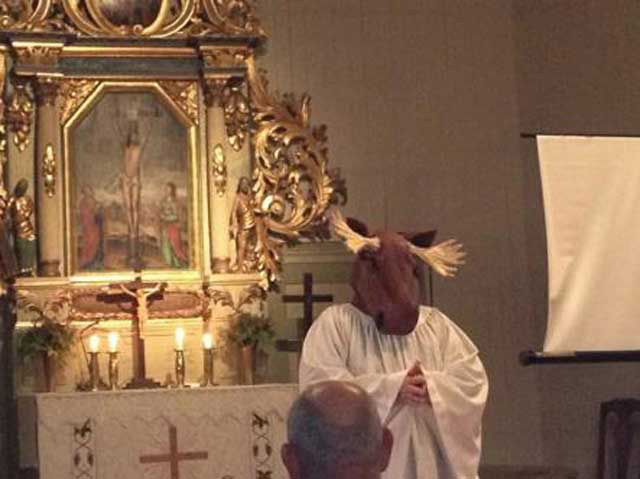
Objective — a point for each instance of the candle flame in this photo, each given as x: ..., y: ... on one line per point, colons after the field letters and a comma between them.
x: 113, y: 341
x: 207, y: 341
x: 179, y: 339
x: 94, y: 343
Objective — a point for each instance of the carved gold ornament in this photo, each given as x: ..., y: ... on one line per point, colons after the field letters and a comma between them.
x: 219, y: 170
x: 185, y: 95
x: 37, y: 55
x: 149, y: 18
x: 229, y: 57
x: 73, y: 93
x: 19, y: 113
x: 49, y: 171
x: 292, y: 186
x: 236, y: 114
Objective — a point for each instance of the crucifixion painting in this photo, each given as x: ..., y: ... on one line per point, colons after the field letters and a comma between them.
x: 132, y: 194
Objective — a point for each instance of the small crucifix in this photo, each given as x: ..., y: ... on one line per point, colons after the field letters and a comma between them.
x: 143, y: 295
x: 308, y: 299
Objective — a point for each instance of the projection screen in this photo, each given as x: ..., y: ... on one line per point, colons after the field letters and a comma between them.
x: 591, y: 194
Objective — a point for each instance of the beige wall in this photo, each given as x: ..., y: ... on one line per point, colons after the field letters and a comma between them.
x: 578, y: 72
x: 420, y: 100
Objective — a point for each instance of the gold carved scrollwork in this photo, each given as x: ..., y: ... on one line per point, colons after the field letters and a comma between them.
x: 236, y: 113
x: 219, y: 170
x: 292, y: 185
x: 49, y: 171
x: 30, y: 15
x: 185, y: 94
x: 19, y: 113
x: 158, y: 18
x: 73, y: 93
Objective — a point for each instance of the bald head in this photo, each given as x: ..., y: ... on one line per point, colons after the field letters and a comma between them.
x: 334, y: 431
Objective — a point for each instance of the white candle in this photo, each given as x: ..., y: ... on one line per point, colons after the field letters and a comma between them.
x: 207, y: 341
x: 179, y: 339
x: 94, y: 343
x: 113, y: 342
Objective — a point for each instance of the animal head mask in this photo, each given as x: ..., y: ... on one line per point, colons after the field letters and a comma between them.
x: 386, y: 274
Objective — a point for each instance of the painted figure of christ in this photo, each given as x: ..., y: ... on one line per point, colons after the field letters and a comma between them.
x: 131, y: 188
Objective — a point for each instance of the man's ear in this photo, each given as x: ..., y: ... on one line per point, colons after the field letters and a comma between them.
x: 387, y: 446
x: 290, y: 460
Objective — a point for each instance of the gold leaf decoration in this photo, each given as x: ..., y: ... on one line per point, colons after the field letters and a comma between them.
x: 292, y: 185
x: 185, y: 95
x: 237, y: 113
x: 155, y: 18
x: 19, y: 113
x: 73, y: 93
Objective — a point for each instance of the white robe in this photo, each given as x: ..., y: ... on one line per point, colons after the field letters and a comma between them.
x: 438, y: 441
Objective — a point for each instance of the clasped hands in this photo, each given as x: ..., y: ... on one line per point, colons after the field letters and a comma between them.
x: 414, y: 387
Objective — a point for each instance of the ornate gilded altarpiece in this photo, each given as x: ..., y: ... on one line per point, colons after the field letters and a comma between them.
x: 153, y: 146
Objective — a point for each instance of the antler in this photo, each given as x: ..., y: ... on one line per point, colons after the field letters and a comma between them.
x: 355, y: 242
x: 444, y: 258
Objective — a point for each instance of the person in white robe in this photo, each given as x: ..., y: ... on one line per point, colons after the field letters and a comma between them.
x: 436, y: 440
x: 421, y: 369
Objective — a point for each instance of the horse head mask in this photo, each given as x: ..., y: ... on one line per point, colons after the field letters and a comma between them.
x: 386, y: 277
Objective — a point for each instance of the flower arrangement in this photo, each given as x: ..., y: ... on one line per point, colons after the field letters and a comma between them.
x: 250, y: 330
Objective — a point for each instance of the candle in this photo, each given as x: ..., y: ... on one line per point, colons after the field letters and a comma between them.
x: 179, y: 339
x: 207, y: 341
x: 94, y: 343
x: 113, y: 342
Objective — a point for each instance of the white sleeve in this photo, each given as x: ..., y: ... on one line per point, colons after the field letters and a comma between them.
x: 458, y: 395
x: 324, y: 357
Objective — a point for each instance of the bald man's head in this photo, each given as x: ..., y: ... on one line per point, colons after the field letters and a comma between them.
x: 334, y: 431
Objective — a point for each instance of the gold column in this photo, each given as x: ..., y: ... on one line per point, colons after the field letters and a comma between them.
x: 218, y: 192
x: 49, y: 210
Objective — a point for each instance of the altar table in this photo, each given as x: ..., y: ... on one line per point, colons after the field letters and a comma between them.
x: 214, y: 433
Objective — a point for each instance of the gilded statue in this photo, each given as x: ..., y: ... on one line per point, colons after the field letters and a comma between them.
x: 21, y: 209
x: 242, y: 227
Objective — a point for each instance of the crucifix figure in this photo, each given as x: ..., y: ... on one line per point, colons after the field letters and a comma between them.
x: 308, y: 299
x: 143, y: 295
x: 131, y: 174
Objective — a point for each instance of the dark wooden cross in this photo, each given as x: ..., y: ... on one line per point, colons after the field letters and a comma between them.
x: 173, y: 457
x: 147, y: 293
x: 307, y: 299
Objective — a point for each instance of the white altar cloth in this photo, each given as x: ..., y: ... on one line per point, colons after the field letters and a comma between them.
x: 212, y: 433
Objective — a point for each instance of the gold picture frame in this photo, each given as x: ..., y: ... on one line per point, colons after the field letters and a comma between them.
x: 171, y: 108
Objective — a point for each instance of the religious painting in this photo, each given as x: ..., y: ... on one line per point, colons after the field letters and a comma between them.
x: 131, y: 188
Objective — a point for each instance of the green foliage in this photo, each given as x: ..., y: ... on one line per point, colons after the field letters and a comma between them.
x: 250, y: 330
x: 46, y: 336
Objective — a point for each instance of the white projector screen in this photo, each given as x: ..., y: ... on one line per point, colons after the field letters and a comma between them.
x: 591, y: 194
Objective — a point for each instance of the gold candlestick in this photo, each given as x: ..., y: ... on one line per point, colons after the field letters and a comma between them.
x: 180, y: 368
x: 94, y: 370
x: 207, y: 380
x: 113, y: 370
